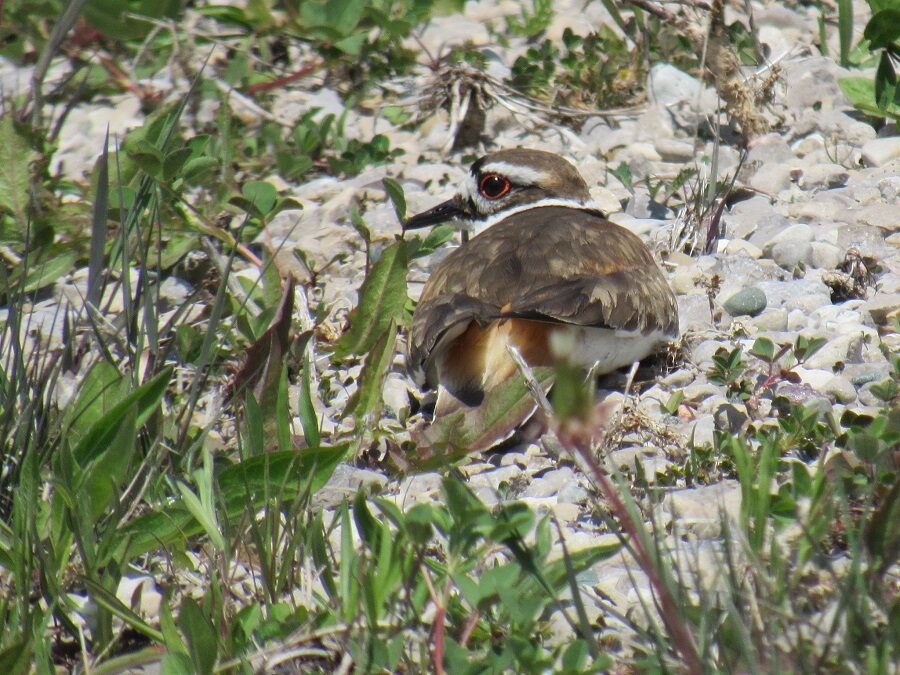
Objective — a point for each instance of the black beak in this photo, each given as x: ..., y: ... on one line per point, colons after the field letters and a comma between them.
x: 452, y: 209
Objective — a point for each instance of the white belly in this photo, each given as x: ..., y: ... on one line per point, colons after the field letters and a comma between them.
x: 610, y: 349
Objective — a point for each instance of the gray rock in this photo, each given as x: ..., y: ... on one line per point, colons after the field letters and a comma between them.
x: 743, y: 248
x: 771, y: 150
x: 701, y: 509
x: 804, y: 294
x: 789, y: 254
x: 869, y: 241
x: 883, y: 308
x: 772, y: 319
x: 824, y: 177
x: 550, y: 483
x: 803, y: 394
x: 702, y: 354
x: 890, y: 189
x: 795, y: 232
x: 702, y: 431
x: 572, y: 493
x: 880, y: 151
x: 671, y: 149
x: 345, y: 482
x: 693, y: 313
x: 868, y: 397
x: 883, y: 216
x: 173, y: 291
x: 860, y: 374
x: 419, y: 487
x: 395, y: 394
x: 839, y: 349
x: 823, y: 255
x: 840, y: 388
x: 813, y: 84
x: 771, y: 178
x: 747, y: 302
x: 667, y: 85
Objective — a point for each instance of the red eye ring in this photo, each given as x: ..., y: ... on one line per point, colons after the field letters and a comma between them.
x: 494, y: 186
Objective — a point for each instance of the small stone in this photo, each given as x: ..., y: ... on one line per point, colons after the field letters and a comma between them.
x: 771, y: 178
x: 839, y: 349
x: 693, y: 313
x: 701, y: 509
x: 772, y: 319
x: 419, y: 487
x: 673, y: 150
x: 867, y: 395
x: 840, y: 388
x: 890, y: 188
x: 702, y: 354
x: 883, y: 308
x: 551, y: 483
x: 702, y: 433
x: 795, y: 232
x: 668, y: 85
x: 863, y: 373
x: 824, y: 177
x: 770, y: 149
x: 741, y: 247
x: 880, y: 151
x: 803, y: 294
x: 882, y: 216
x: 747, y: 302
x: 789, y: 254
x: 572, y: 493
x: 823, y: 255
x: 174, y: 292
x: 395, y: 395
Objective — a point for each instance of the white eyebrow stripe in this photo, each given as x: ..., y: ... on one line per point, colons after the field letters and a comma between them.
x: 522, y: 175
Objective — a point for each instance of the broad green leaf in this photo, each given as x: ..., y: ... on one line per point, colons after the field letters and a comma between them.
x: 366, y: 403
x: 174, y: 161
x: 398, y: 198
x: 470, y: 429
x: 100, y: 390
x: 308, y: 418
x: 339, y: 16
x: 438, y: 236
x: 246, y: 485
x: 879, y: 5
x: 200, y: 634
x: 887, y: 95
x: 16, y: 157
x: 109, y: 601
x: 198, y: 168
x: 382, y: 299
x: 764, y: 349
x: 261, y: 195
x: 46, y: 273
x: 147, y: 398
x: 107, y: 475
x: 352, y: 44
x: 119, y: 18
x: 860, y: 91
x: 883, y: 29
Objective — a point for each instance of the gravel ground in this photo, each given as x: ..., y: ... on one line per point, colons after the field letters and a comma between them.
x: 820, y: 214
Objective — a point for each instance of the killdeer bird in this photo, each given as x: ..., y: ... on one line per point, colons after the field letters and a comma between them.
x: 548, y: 274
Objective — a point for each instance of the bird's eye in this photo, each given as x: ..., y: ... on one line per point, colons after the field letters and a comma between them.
x: 493, y: 186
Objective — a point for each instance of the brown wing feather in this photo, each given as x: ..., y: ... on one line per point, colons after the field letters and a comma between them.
x: 554, y: 264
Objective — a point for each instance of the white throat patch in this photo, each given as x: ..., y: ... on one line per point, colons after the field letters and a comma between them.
x: 475, y: 227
